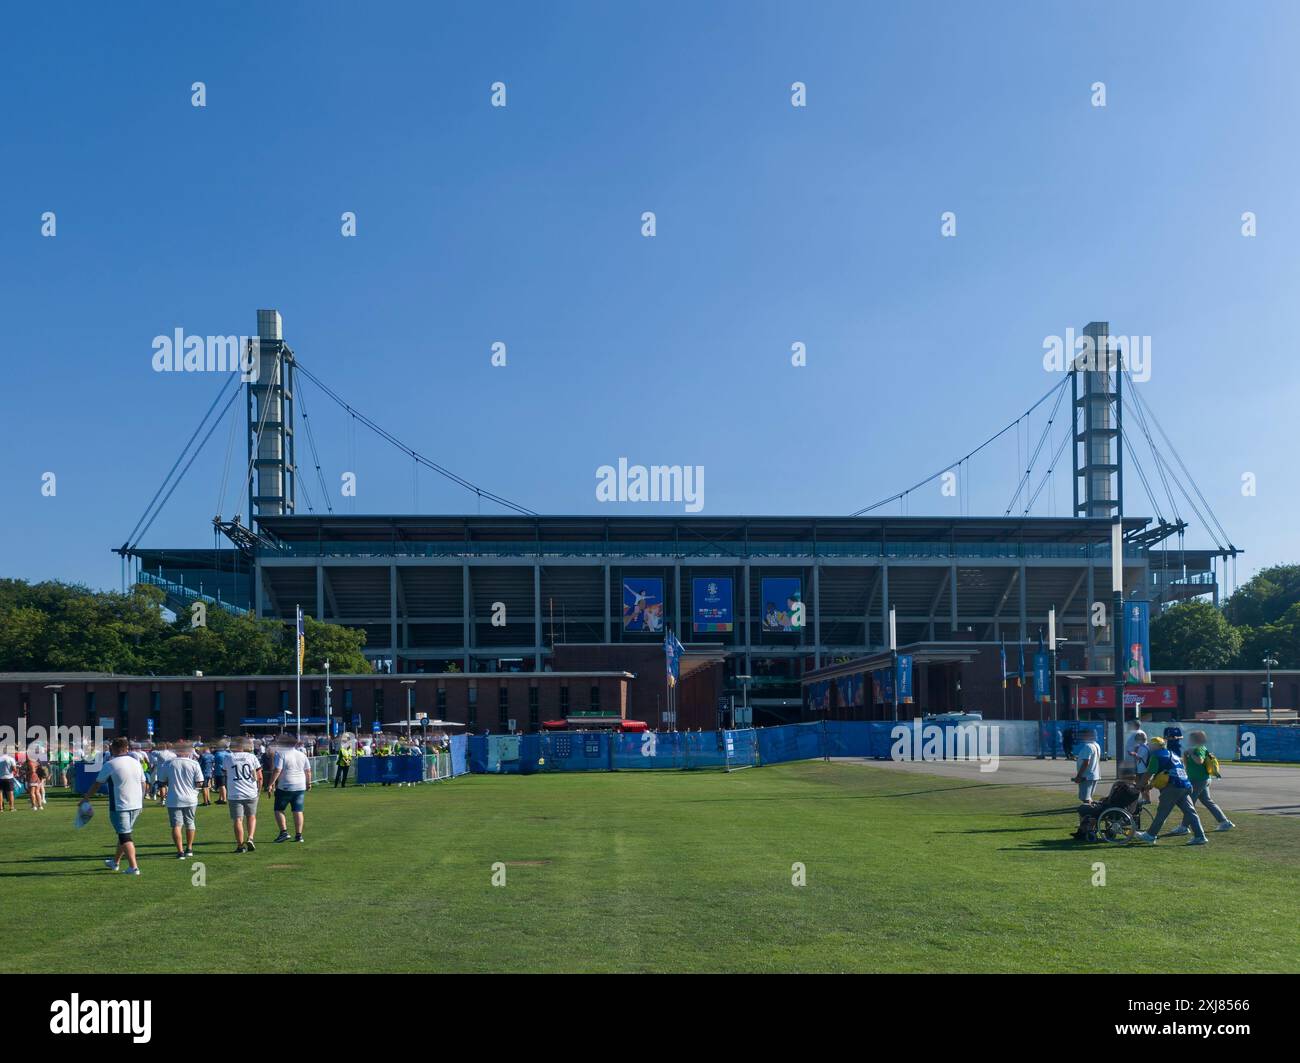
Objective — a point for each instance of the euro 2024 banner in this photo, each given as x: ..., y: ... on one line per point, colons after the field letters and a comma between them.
x: 1137, y: 641
x: 711, y: 601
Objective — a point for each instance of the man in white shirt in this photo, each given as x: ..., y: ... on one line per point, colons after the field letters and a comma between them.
x: 243, y: 784
x: 1087, y: 763
x: 8, y: 769
x: 182, y: 778
x: 290, y: 780
x: 165, y: 757
x: 125, y: 778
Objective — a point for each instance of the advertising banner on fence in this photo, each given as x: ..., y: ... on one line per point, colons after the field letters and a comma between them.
x: 850, y: 690
x: 782, y: 603
x: 643, y: 603
x: 1151, y: 696
x: 1137, y: 641
x: 711, y: 604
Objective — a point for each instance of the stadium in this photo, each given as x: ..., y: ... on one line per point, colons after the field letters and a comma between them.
x: 549, y: 596
x: 952, y: 675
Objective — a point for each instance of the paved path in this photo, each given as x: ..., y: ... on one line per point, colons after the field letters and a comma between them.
x: 1243, y: 788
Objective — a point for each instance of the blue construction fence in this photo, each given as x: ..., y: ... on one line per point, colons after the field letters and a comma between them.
x: 1268, y: 742
x: 364, y: 769
x: 691, y: 750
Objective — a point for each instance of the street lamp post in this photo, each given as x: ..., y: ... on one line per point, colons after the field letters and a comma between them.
x: 744, y: 681
x: 56, y: 688
x: 410, y: 704
x: 1117, y: 633
x: 893, y: 656
x: 1269, y: 662
x: 327, y: 704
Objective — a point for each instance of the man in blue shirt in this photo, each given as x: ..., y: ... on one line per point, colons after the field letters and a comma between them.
x: 1177, y: 793
x: 208, y: 762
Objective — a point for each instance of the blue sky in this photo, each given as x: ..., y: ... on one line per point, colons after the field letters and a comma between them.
x: 522, y: 224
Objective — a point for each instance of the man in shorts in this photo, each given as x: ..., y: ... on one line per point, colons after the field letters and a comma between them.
x: 220, y: 754
x: 125, y: 779
x: 8, y: 772
x: 165, y: 757
x: 243, y: 783
x: 290, y: 781
x: 1087, y: 762
x: 208, y: 762
x: 183, y: 778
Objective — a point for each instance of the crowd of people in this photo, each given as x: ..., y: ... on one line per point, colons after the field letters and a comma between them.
x: 1182, y: 778
x: 181, y: 776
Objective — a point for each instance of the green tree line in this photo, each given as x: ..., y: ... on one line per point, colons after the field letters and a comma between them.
x: 1261, y: 617
x: 62, y: 627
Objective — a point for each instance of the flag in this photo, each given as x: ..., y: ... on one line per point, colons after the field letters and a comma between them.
x: 1020, y: 677
x: 302, y: 641
x: 1002, y: 650
x: 673, y: 651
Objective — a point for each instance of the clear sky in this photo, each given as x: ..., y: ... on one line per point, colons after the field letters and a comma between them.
x: 775, y: 225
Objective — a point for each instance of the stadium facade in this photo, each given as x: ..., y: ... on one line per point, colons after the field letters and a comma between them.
x: 485, y: 594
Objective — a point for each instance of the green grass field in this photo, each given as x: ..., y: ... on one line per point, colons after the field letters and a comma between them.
x: 659, y: 871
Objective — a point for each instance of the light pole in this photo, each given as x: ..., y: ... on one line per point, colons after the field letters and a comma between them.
x: 1117, y: 633
x: 328, y: 736
x: 410, y: 704
x: 1269, y: 662
x: 893, y: 657
x: 1076, y: 680
x: 56, y: 688
x: 744, y: 681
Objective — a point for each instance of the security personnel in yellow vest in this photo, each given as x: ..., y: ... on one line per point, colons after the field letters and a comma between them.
x: 341, y: 765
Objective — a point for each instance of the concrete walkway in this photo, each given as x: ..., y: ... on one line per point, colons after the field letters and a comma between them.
x: 1243, y: 788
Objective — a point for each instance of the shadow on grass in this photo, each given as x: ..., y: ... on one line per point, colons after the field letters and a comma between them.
x: 1054, y: 845
x: 783, y: 798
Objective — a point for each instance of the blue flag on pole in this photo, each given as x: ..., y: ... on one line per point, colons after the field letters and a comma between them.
x: 1002, y: 649
x: 1020, y: 677
x: 673, y: 651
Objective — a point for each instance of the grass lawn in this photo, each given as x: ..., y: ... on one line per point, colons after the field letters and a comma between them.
x: 657, y: 871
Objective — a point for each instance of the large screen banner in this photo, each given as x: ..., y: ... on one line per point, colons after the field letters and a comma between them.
x: 712, y: 603
x: 643, y: 603
x: 783, y: 608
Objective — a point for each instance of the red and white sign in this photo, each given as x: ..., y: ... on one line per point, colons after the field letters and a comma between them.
x: 1151, y: 696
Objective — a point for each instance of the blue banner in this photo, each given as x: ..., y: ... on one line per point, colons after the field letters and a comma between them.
x: 1042, y: 677
x: 1269, y: 742
x: 711, y: 604
x: 819, y: 696
x: 783, y: 608
x: 905, y: 678
x: 389, y: 769
x: 1137, y: 642
x: 643, y: 603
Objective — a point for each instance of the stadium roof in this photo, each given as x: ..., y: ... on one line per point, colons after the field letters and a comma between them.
x: 423, y: 526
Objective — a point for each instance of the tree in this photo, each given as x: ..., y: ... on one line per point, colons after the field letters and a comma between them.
x: 64, y: 627
x: 339, y: 645
x: 1280, y: 639
x: 1192, y: 635
x: 1265, y: 597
